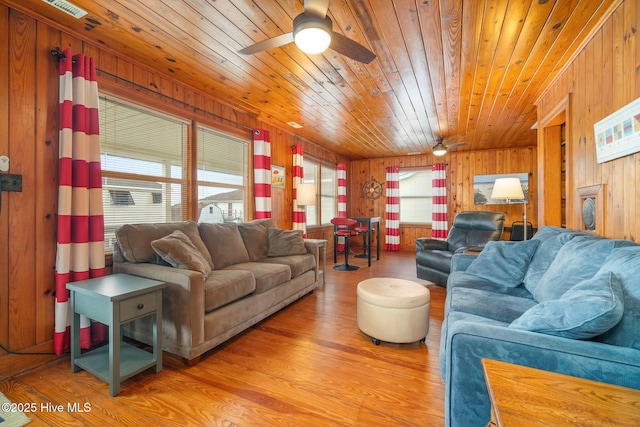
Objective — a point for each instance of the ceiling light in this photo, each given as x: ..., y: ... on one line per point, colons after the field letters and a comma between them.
x: 312, y: 34
x: 439, y: 149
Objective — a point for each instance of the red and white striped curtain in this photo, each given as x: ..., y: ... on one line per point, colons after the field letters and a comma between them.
x: 342, y: 198
x: 392, y: 213
x: 439, y: 216
x: 262, y: 173
x: 80, y: 245
x: 299, y: 218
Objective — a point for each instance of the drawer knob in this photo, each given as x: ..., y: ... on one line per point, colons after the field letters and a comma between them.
x: 140, y: 306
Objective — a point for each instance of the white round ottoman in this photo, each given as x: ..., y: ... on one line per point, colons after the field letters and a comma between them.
x: 393, y: 310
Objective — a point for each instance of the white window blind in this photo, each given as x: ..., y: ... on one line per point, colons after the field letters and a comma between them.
x: 415, y: 196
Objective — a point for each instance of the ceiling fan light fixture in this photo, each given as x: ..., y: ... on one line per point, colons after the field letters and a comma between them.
x: 439, y: 149
x: 311, y: 34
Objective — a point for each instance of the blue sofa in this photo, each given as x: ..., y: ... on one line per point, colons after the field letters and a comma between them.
x: 563, y: 301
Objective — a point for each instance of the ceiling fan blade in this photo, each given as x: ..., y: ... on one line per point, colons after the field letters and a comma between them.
x: 350, y: 48
x: 267, y: 44
x: 456, y: 144
x: 316, y: 8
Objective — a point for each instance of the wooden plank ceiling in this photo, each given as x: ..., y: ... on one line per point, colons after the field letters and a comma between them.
x: 465, y: 71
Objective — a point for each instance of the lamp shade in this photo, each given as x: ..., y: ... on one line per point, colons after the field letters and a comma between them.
x: 306, y: 194
x: 507, y: 188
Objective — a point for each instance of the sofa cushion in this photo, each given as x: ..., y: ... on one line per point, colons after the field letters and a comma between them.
x: 625, y: 264
x: 577, y: 260
x: 224, y: 243
x: 135, y: 239
x: 460, y: 279
x: 551, y: 240
x: 504, y: 263
x: 178, y: 250
x: 254, y: 235
x: 267, y: 275
x: 584, y: 311
x: 298, y: 264
x: 225, y: 286
x: 504, y: 308
x: 285, y: 242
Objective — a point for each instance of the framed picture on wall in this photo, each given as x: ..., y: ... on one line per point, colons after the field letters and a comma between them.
x: 618, y: 134
x: 483, y: 186
x: 278, y: 176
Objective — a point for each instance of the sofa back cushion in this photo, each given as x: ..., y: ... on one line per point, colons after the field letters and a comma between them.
x: 551, y: 240
x: 504, y: 263
x: 577, y: 260
x: 224, y: 243
x: 285, y: 242
x: 625, y: 264
x: 135, y: 240
x: 254, y: 235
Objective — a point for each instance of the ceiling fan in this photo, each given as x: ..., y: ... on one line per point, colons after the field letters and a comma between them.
x: 440, y: 149
x: 313, y: 33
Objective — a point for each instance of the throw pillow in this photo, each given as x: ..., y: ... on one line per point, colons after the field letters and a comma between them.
x: 588, y: 309
x: 504, y: 263
x: 178, y: 250
x: 577, y: 260
x: 224, y: 243
x: 254, y: 235
x: 285, y: 242
x: 551, y: 240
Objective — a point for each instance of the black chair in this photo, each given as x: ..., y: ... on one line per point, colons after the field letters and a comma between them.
x: 517, y: 231
x: 471, y: 230
x: 343, y: 227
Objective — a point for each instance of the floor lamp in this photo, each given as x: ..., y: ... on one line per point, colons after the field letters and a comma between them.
x: 510, y: 189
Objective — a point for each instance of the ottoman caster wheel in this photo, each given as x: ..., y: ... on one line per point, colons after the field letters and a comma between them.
x: 375, y: 341
x: 422, y: 340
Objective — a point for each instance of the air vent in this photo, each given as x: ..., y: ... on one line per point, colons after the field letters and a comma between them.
x: 295, y: 125
x: 67, y: 7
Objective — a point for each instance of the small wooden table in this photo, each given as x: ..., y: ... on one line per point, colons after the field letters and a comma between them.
x: 115, y: 300
x: 523, y: 396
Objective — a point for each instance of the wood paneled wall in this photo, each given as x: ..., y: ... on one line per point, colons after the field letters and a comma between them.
x: 29, y: 136
x: 603, y: 77
x: 461, y: 168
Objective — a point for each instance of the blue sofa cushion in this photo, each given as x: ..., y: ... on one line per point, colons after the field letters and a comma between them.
x: 577, y: 260
x: 551, y: 240
x: 504, y: 263
x: 625, y: 263
x: 589, y: 309
x: 490, y: 305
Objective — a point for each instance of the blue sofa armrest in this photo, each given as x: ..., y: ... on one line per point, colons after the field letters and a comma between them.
x: 425, y: 243
x: 466, y: 398
x: 460, y: 262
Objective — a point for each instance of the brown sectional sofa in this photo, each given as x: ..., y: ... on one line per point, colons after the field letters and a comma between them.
x: 221, y: 278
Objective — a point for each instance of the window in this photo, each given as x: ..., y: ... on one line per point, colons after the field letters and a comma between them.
x: 415, y: 196
x: 327, y: 207
x: 222, y: 171
x: 144, y: 168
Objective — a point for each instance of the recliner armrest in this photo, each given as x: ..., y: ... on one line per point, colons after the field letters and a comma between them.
x: 425, y: 243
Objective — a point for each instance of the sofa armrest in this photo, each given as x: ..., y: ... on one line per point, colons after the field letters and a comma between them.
x: 314, y: 249
x: 182, y: 301
x: 466, y: 397
x: 425, y: 243
x: 460, y: 262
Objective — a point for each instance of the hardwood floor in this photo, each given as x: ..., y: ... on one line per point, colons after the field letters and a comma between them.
x: 306, y: 365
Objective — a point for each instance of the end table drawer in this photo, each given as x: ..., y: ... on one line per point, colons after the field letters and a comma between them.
x: 136, y: 307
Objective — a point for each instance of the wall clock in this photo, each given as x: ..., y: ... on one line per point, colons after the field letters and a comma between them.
x: 372, y: 189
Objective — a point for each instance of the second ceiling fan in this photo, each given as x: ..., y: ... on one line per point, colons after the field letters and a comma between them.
x: 313, y: 33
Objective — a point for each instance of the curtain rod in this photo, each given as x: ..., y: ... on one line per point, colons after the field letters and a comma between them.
x: 61, y: 56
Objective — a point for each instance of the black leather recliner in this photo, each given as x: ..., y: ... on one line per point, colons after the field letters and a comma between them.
x: 471, y: 230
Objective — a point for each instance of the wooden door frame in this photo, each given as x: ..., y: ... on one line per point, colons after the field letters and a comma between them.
x: 549, y: 163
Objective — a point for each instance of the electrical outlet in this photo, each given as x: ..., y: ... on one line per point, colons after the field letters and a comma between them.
x: 4, y: 163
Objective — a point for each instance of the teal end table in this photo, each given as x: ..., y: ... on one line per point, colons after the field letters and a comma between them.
x: 115, y: 300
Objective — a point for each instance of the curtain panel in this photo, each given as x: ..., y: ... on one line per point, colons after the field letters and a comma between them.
x: 80, y: 226
x: 299, y: 218
x: 392, y: 211
x: 439, y: 216
x: 342, y: 199
x: 262, y: 173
